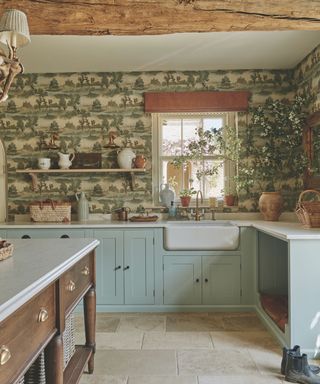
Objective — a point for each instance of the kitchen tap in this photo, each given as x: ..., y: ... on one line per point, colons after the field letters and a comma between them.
x: 197, y: 215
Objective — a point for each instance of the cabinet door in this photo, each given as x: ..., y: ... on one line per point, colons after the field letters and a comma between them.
x: 109, y: 266
x: 3, y: 234
x: 221, y: 280
x: 48, y: 233
x: 182, y: 280
x: 139, y: 267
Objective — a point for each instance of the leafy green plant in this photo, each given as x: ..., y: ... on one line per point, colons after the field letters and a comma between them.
x: 187, y: 192
x: 274, y: 149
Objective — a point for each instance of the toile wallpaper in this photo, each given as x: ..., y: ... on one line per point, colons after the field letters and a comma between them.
x: 79, y: 109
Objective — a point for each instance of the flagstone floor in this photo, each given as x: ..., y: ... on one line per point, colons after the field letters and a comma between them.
x: 182, y: 348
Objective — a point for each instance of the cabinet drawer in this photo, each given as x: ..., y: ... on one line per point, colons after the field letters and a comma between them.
x: 76, y: 280
x: 24, y: 333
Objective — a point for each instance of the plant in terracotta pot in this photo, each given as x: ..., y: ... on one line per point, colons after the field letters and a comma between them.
x: 275, y: 157
x: 185, y: 196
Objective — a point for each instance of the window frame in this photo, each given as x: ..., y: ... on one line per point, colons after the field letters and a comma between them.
x: 230, y: 119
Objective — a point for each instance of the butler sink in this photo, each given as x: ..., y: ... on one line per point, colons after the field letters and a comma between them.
x: 201, y: 235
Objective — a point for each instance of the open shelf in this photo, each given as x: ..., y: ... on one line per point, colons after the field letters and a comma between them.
x: 86, y: 170
x: 76, y: 365
x: 34, y: 173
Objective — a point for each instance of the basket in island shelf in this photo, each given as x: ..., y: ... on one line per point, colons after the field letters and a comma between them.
x: 6, y: 249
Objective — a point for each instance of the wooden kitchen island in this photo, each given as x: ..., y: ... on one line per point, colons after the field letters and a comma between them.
x: 39, y: 287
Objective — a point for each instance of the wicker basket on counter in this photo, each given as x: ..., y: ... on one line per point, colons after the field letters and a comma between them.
x: 50, y: 211
x: 308, y: 212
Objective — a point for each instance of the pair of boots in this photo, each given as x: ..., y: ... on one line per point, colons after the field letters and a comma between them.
x: 296, y: 369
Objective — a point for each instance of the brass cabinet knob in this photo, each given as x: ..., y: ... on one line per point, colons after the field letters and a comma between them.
x: 5, y: 355
x: 43, y: 315
x: 85, y: 271
x: 71, y: 286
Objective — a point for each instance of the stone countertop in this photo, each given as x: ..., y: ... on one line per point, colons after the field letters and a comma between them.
x: 286, y: 230
x: 34, y: 265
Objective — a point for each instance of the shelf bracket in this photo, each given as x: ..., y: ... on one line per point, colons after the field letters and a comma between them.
x: 131, y: 180
x: 35, y: 182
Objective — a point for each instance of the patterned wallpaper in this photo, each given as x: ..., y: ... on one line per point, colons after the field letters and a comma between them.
x: 82, y: 107
x: 307, y: 78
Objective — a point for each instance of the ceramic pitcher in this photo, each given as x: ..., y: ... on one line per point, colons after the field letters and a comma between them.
x: 65, y: 160
x: 125, y: 158
x: 83, y: 206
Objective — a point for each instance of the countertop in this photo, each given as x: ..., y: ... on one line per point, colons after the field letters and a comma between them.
x: 37, y: 263
x: 285, y: 230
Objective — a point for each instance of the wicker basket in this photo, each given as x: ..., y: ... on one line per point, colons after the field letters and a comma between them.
x: 308, y: 212
x: 6, y: 251
x: 50, y: 211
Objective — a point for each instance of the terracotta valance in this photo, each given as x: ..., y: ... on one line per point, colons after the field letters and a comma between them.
x: 202, y: 101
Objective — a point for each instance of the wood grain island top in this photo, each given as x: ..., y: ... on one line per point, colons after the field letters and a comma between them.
x: 34, y: 265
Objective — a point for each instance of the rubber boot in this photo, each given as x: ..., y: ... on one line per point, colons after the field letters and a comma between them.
x: 298, y: 370
x: 295, y: 351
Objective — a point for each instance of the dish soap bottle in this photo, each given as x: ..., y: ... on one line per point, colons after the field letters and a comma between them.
x: 172, y: 210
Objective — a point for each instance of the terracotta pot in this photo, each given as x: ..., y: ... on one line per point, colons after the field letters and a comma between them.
x: 229, y: 200
x: 139, y: 161
x: 185, y: 201
x: 270, y: 205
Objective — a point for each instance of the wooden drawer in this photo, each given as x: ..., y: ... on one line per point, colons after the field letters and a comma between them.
x: 76, y: 281
x: 24, y: 333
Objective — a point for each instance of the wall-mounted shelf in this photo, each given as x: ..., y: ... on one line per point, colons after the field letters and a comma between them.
x: 34, y: 173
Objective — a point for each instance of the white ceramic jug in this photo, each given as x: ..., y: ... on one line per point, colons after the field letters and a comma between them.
x: 83, y: 206
x: 125, y: 158
x: 64, y: 160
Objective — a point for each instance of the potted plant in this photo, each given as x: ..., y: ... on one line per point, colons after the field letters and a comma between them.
x: 185, y: 196
x: 273, y: 148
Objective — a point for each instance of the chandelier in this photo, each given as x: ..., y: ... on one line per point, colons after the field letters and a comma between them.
x: 14, y: 33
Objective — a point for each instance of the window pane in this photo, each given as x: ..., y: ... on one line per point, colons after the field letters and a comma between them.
x: 216, y: 122
x: 171, y: 137
x: 176, y: 133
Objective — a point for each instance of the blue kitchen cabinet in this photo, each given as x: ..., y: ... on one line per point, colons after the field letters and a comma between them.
x: 46, y: 233
x: 221, y: 280
x: 138, y: 267
x: 109, y: 267
x: 195, y: 280
x: 125, y: 267
x: 3, y: 234
x: 182, y: 280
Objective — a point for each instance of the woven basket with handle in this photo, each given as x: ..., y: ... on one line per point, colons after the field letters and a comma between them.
x: 50, y: 211
x: 308, y: 212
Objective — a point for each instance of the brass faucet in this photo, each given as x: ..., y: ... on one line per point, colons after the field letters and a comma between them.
x: 197, y: 215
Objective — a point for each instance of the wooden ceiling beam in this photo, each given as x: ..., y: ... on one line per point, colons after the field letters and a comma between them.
x: 149, y: 17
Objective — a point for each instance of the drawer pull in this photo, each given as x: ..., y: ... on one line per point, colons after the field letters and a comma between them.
x: 5, y: 355
x: 85, y: 271
x: 71, y: 286
x: 43, y: 315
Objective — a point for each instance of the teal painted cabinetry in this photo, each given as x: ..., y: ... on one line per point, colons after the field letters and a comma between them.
x: 125, y: 267
x: 221, y: 280
x: 138, y: 267
x: 44, y: 233
x: 182, y: 280
x: 194, y: 280
x: 3, y: 234
x: 109, y: 266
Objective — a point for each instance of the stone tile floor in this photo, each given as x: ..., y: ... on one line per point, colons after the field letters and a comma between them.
x: 182, y: 348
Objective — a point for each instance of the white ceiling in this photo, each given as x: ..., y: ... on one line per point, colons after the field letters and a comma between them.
x: 183, y: 51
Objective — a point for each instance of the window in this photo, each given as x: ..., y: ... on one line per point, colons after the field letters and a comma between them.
x: 172, y: 133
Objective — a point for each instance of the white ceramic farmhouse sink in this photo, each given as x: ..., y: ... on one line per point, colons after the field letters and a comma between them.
x: 201, y: 235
